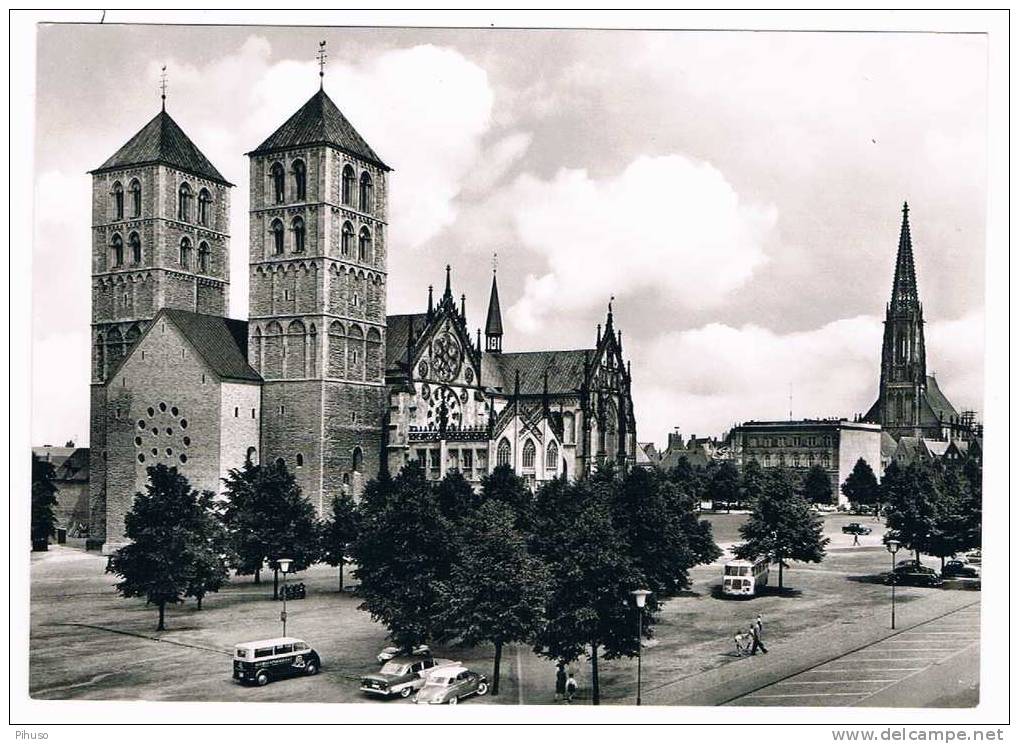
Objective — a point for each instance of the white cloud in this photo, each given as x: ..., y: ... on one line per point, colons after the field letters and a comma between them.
x: 670, y: 224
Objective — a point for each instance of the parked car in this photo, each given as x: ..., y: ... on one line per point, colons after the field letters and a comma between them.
x: 973, y: 557
x: 401, y: 676
x: 391, y: 652
x: 960, y: 570
x: 260, y: 662
x: 913, y: 574
x: 450, y: 685
x: 855, y: 528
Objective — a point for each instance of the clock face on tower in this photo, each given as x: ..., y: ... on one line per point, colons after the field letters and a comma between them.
x: 446, y: 357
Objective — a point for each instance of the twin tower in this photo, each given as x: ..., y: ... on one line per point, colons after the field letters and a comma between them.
x: 309, y: 363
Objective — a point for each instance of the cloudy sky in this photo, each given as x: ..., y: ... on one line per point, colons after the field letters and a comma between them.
x: 738, y: 193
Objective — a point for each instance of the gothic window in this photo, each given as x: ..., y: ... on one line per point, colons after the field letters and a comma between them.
x: 528, y: 455
x: 136, y: 198
x: 348, y: 185
x: 185, y: 253
x: 298, y: 227
x: 203, y: 257
x: 364, y: 201
x: 204, y: 200
x: 117, y: 251
x: 358, y: 459
x: 552, y: 456
x: 347, y: 241
x: 118, y: 201
x: 502, y: 452
x: 184, y: 202
x: 135, y: 243
x: 300, y: 180
x: 277, y: 237
x: 278, y: 179
x: 364, y: 245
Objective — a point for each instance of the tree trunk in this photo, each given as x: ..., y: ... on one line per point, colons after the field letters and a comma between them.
x: 917, y: 551
x: 258, y: 576
x: 162, y: 612
x: 780, y: 573
x: 595, y: 691
x: 199, y: 602
x: 275, y: 583
x: 341, y: 575
x: 942, y: 564
x: 495, y: 668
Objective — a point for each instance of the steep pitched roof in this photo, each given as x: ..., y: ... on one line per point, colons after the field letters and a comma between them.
x: 319, y: 122
x: 938, y: 402
x: 565, y: 370
x: 221, y: 342
x: 398, y: 327
x: 163, y: 141
x: 904, y: 291
x: 888, y: 445
x: 493, y: 323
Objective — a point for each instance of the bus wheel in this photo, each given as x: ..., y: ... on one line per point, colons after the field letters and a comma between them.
x: 311, y: 670
x: 261, y: 679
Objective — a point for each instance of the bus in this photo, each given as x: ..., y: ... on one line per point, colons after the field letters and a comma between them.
x: 745, y: 578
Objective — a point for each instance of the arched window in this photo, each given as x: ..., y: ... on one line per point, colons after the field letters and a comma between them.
x: 135, y: 243
x: 300, y: 180
x: 184, y: 203
x: 364, y: 201
x: 349, y: 181
x: 277, y: 237
x: 185, y: 253
x: 364, y: 245
x: 118, y: 201
x: 204, y: 200
x: 552, y: 456
x: 358, y: 459
x: 136, y: 198
x: 298, y: 227
x: 252, y: 456
x: 278, y: 182
x: 347, y: 240
x: 528, y: 455
x: 300, y: 460
x: 203, y: 257
x: 117, y: 250
x: 502, y: 452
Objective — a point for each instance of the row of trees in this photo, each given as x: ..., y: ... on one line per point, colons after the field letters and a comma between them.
x: 727, y: 485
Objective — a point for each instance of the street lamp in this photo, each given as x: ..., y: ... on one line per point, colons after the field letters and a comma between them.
x: 284, y: 566
x: 639, y: 597
x: 893, y: 548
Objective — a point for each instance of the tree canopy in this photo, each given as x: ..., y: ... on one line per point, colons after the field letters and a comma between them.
x: 44, y: 498
x: 339, y: 532
x: 817, y: 486
x: 861, y: 487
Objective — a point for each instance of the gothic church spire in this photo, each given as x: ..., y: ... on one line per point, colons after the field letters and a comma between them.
x: 904, y: 292
x: 493, y: 324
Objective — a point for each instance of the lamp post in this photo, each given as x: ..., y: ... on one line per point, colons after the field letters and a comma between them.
x: 893, y: 548
x: 639, y: 597
x: 284, y: 566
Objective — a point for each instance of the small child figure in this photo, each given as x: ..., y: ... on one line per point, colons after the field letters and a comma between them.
x: 742, y: 641
x: 571, y: 688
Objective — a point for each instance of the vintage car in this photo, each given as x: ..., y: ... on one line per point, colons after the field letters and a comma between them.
x: 259, y: 662
x: 391, y: 652
x: 449, y: 685
x: 401, y: 676
x: 855, y: 528
x: 974, y: 557
x: 959, y: 569
x: 913, y: 574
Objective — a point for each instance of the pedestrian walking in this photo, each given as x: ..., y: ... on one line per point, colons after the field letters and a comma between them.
x: 759, y: 622
x: 856, y: 538
x: 755, y: 631
x: 571, y: 688
x: 560, y: 682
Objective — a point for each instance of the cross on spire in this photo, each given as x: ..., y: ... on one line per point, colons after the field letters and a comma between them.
x: 322, y: 56
x: 162, y: 86
x: 495, y: 262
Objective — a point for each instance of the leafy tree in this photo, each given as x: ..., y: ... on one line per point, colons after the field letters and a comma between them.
x: 44, y: 498
x: 915, y: 503
x: 817, y: 486
x: 170, y: 526
x: 496, y: 591
x: 752, y: 482
x: 957, y: 527
x: 861, y: 487
x: 591, y: 575
x: 455, y: 495
x: 974, y: 474
x: 688, y: 479
x: 209, y: 551
x: 505, y: 486
x: 339, y: 531
x: 782, y: 526
x: 268, y: 519
x: 724, y: 484
x: 403, y: 553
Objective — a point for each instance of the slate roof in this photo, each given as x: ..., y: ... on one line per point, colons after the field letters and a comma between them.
x: 493, y: 323
x: 69, y: 463
x: 397, y: 328
x: 163, y: 141
x: 888, y: 445
x: 319, y: 122
x: 221, y: 342
x: 937, y: 400
x: 565, y: 371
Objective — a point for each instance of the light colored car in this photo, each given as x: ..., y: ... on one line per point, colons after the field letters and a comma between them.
x: 402, y: 676
x: 450, y: 685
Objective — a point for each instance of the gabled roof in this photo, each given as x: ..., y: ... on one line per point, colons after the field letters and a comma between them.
x: 397, y: 329
x: 221, y: 342
x: 163, y: 141
x: 565, y: 370
x: 939, y: 404
x: 888, y: 444
x: 319, y: 122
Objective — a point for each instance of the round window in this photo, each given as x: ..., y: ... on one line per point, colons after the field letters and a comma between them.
x: 174, y: 411
x: 155, y: 431
x: 141, y: 457
x: 187, y: 441
x: 162, y: 407
x: 152, y: 411
x: 169, y: 452
x: 169, y: 431
x: 183, y: 423
x: 183, y: 458
x: 154, y: 452
x: 138, y: 441
x: 141, y: 423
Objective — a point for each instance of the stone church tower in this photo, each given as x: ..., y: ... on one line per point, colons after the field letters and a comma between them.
x: 317, y: 304
x: 160, y: 221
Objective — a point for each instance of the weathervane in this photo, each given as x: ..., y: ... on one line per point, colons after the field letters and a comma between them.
x: 322, y: 56
x: 162, y: 86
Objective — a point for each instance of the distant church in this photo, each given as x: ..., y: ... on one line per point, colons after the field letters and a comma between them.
x: 910, y: 403
x: 319, y: 377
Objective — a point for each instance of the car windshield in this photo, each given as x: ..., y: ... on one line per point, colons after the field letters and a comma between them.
x: 391, y: 667
x: 439, y: 681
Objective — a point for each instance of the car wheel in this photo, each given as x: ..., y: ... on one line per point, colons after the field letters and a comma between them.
x: 454, y: 700
x: 312, y: 669
x: 483, y: 688
x: 405, y: 692
x: 261, y: 679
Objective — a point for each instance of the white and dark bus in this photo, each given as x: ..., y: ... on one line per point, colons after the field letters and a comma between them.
x: 745, y: 578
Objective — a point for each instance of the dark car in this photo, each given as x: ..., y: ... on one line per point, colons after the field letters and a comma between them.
x: 913, y: 574
x: 401, y: 676
x: 260, y: 662
x: 960, y: 570
x: 855, y: 528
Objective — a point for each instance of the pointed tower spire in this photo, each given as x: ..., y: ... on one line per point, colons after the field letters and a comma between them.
x: 162, y: 86
x: 431, y: 304
x: 447, y: 294
x: 493, y: 324
x: 904, y: 290
x: 322, y: 56
x: 463, y: 306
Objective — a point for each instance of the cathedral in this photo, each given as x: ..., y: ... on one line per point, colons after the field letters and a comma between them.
x: 319, y: 377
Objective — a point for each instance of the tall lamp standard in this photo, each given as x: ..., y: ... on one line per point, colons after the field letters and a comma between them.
x: 284, y: 566
x: 640, y: 598
x: 893, y: 548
